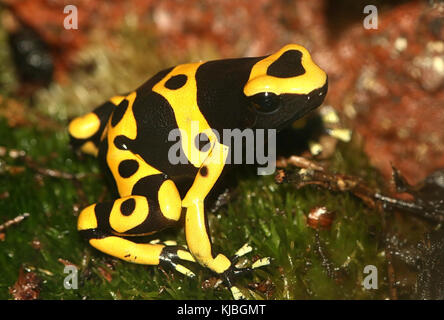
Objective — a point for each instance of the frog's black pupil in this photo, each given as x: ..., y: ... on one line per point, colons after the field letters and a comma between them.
x: 266, y: 102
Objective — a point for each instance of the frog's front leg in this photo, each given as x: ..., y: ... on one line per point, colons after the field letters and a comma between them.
x: 108, y: 225
x: 197, y: 235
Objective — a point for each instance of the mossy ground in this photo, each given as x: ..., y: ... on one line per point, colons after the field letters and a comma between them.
x: 270, y: 217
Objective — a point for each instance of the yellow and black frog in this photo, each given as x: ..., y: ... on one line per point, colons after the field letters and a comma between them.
x: 130, y: 135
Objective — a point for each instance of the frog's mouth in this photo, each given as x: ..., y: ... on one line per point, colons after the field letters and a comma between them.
x: 293, y: 107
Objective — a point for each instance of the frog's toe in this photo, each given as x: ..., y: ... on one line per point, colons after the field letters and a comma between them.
x: 184, y: 270
x: 246, y: 248
x: 233, y: 272
x: 172, y: 256
x: 229, y: 278
x: 166, y: 242
x: 261, y: 263
x: 237, y: 294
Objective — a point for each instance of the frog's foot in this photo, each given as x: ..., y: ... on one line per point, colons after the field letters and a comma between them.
x: 331, y: 126
x: 231, y: 273
x: 172, y: 256
x: 246, y: 248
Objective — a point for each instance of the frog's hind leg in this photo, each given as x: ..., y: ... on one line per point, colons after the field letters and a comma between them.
x: 86, y: 131
x: 109, y: 226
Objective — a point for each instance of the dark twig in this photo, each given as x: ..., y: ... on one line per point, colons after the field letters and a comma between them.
x: 11, y: 222
x: 342, y: 183
x: 33, y: 165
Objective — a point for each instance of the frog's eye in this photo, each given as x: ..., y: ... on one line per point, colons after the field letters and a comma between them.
x: 266, y: 102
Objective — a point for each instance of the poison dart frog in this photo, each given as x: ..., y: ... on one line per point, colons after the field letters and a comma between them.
x: 129, y: 134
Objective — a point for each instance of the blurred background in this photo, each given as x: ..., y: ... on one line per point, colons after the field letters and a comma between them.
x: 385, y: 83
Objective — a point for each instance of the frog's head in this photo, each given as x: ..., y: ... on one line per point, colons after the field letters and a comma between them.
x: 285, y: 86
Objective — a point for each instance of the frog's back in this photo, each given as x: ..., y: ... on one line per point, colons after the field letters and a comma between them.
x: 207, y: 95
x: 143, y: 126
x: 211, y: 91
x: 220, y: 94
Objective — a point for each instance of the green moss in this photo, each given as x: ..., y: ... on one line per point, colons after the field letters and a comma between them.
x: 272, y: 219
x: 269, y: 217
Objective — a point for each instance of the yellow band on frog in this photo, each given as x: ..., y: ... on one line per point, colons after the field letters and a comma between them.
x: 314, y: 77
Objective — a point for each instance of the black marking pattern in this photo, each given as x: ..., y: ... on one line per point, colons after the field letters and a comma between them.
x: 127, y: 207
x: 220, y: 94
x: 156, y: 221
x: 155, y: 121
x: 202, y: 142
x: 127, y: 168
x: 102, y: 211
x: 288, y: 65
x: 119, y: 112
x: 148, y: 85
x: 120, y: 142
x: 176, y: 82
x: 103, y: 151
x: 203, y: 171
